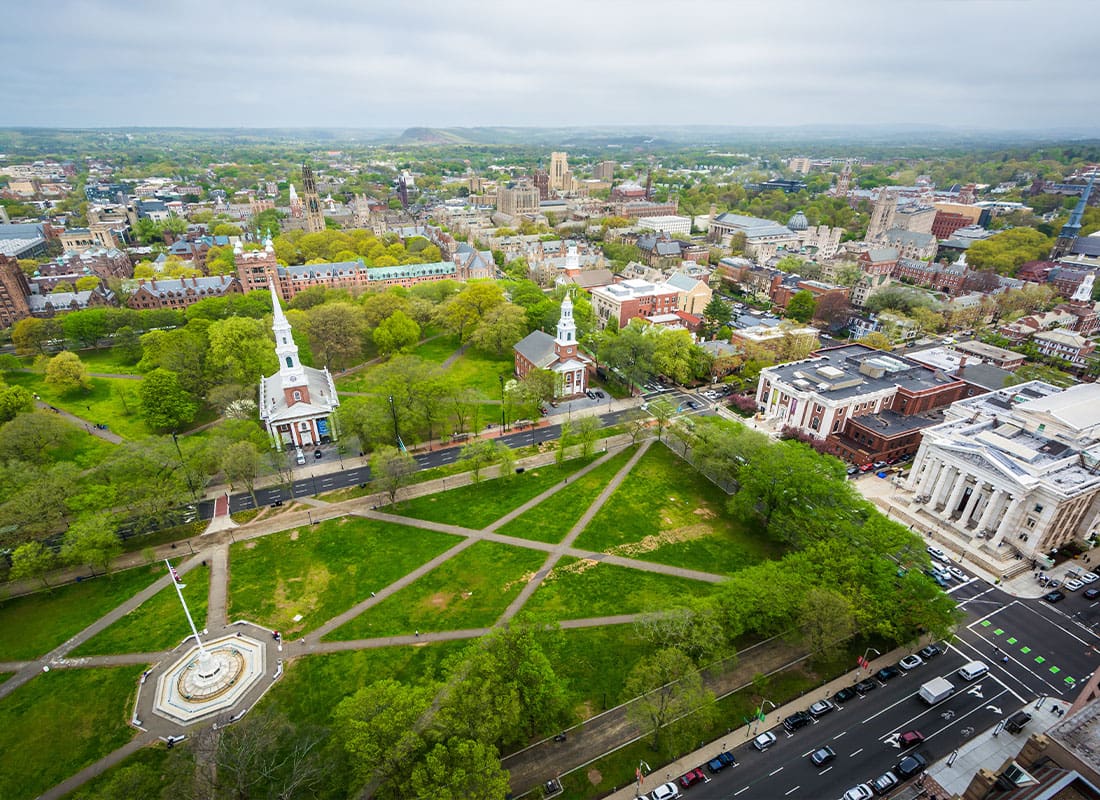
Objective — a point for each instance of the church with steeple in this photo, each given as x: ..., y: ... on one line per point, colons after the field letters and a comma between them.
x: 297, y: 402
x: 558, y: 353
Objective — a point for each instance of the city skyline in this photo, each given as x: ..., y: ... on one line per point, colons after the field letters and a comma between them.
x: 984, y: 65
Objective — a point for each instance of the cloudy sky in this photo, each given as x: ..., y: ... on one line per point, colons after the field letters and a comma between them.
x: 1009, y: 64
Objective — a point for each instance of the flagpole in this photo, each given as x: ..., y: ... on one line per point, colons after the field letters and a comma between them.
x: 186, y: 611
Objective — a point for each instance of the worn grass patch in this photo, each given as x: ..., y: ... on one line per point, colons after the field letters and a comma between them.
x: 470, y: 590
x: 319, y: 571
x: 59, y: 723
x: 476, y: 505
x: 594, y: 663
x: 32, y: 625
x: 667, y: 512
x: 158, y: 623
x: 551, y: 519
x: 578, y: 589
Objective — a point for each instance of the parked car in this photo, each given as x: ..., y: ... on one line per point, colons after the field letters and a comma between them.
x: 317, y: 453
x: 938, y: 555
x: 852, y: 470
x: 721, y: 761
x: 844, y: 695
x: 693, y: 777
x: 1090, y: 594
x: 665, y: 791
x: 884, y: 782
x: 910, y: 766
x: 727, y: 758
x: 1072, y: 585
x: 866, y: 467
x: 764, y: 741
x: 886, y: 673
x: 1054, y: 597
x: 799, y: 719
x: 910, y: 662
x: 822, y: 756
x: 860, y: 792
x: 879, y: 464
x: 958, y: 573
x: 931, y: 651
x: 1017, y: 721
x: 910, y: 738
x: 1088, y: 577
x: 821, y: 708
x: 866, y: 686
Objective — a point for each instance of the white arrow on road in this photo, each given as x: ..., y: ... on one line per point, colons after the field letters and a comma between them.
x: 976, y: 691
x: 995, y: 710
x: 894, y: 740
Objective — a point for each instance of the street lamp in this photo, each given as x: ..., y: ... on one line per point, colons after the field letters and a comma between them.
x: 396, y: 432
x: 186, y: 474
x: 502, y: 423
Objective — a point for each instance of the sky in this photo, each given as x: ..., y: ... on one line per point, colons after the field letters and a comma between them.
x: 993, y: 64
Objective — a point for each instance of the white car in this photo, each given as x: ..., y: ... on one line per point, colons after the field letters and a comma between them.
x: 861, y: 792
x: 1071, y: 585
x: 939, y: 555
x: 910, y: 662
x: 665, y: 791
x: 764, y: 741
x: 958, y: 573
x: 1089, y: 577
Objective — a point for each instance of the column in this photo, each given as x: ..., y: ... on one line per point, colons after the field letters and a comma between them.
x: 1009, y: 521
x: 942, y: 482
x: 956, y: 495
x: 971, y: 504
x: 992, y: 508
x: 934, y: 465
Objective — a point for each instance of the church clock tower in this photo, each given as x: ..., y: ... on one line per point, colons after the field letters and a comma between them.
x: 291, y: 373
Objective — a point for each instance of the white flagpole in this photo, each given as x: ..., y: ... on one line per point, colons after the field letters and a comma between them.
x: 191, y: 622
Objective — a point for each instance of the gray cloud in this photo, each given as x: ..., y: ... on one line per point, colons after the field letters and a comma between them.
x: 985, y: 63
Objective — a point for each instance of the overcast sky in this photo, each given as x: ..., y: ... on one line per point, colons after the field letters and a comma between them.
x: 989, y: 63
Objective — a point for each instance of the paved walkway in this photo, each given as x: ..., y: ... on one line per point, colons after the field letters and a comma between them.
x: 90, y: 427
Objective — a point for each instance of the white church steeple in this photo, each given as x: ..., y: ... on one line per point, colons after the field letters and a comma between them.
x: 290, y: 366
x: 565, y: 343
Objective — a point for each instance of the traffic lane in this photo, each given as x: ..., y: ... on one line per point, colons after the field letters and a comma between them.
x: 1047, y: 651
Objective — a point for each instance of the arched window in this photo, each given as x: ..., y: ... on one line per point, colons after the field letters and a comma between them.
x: 289, y: 361
x: 297, y: 397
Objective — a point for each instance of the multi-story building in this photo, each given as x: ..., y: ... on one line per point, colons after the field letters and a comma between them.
x: 882, y: 215
x: 916, y: 218
x: 878, y: 260
x: 947, y: 222
x: 997, y: 356
x: 14, y: 291
x: 604, y: 171
x: 1066, y: 345
x: 629, y: 190
x: 1017, y: 466
x: 628, y: 299
x: 637, y: 209
x: 668, y: 224
x: 775, y: 337
x: 800, y: 165
x: 181, y: 292
x: 937, y: 277
x: 558, y: 354
x: 311, y: 203
x: 517, y: 198
x: 55, y: 303
x: 561, y: 178
x: 763, y: 238
x: 911, y: 244
x: 694, y: 294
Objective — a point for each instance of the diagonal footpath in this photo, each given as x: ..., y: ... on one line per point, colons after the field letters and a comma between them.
x: 566, y: 543
x: 99, y: 767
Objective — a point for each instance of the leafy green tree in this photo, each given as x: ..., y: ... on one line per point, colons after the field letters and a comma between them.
x: 500, y: 328
x: 668, y: 688
x: 826, y: 622
x: 66, y: 373
x: 30, y: 437
x: 13, y: 400
x: 695, y: 629
x: 477, y: 455
x: 335, y: 333
x: 1006, y: 251
x: 85, y: 327
x: 464, y: 312
x: 630, y: 351
x: 877, y: 340
x: 396, y: 333
x: 241, y: 349
x: 678, y: 358
x: 459, y: 769
x: 32, y: 335
x: 801, y: 306
x: 588, y: 431
x: 165, y: 404
x: 716, y: 314
x: 127, y: 345
x: 392, y: 470
x: 241, y: 462
x: 662, y: 410
x: 32, y: 560
x: 144, y: 479
x: 92, y: 541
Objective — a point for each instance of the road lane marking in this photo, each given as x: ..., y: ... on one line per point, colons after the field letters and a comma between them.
x: 840, y: 734
x: 856, y: 753
x: 745, y: 789
x: 770, y: 774
x: 792, y: 791
x: 822, y: 772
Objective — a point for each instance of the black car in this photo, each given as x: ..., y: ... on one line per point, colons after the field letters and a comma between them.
x: 1054, y: 597
x: 1090, y: 594
x: 317, y: 453
x: 865, y: 686
x: 886, y: 673
x: 799, y: 719
x: 844, y: 695
x: 910, y: 766
x: 929, y: 652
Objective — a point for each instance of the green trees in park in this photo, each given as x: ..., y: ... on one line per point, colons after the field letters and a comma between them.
x: 391, y: 470
x: 91, y: 541
x: 33, y: 561
x: 165, y: 404
x: 1004, y: 252
x: 669, y: 688
x: 13, y: 400
x: 65, y: 372
x: 242, y: 462
x: 397, y: 332
x: 335, y: 333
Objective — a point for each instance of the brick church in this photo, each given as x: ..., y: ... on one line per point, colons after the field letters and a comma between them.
x: 539, y: 350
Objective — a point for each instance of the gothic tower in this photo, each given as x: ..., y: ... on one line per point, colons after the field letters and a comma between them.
x: 291, y: 374
x: 882, y: 215
x: 843, y: 181
x: 295, y: 203
x: 315, y: 220
x: 1067, y: 237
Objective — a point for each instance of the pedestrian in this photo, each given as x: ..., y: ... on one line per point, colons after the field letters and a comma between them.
x: 417, y: 634
x: 1004, y: 660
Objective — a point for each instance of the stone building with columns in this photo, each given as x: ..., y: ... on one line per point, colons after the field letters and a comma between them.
x: 1019, y: 467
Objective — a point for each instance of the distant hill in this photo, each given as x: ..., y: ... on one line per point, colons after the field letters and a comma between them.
x: 431, y: 136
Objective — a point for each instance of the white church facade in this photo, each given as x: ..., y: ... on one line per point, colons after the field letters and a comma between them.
x: 559, y: 354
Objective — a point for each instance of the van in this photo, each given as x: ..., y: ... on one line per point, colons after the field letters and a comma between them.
x: 973, y: 670
x: 300, y: 457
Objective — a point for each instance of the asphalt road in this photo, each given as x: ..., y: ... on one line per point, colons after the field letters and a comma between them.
x: 1050, y: 649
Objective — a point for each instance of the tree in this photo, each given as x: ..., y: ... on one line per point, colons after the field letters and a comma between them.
x: 678, y: 358
x: 667, y: 687
x: 459, y: 769
x: 30, y: 437
x: 477, y: 455
x: 241, y: 348
x: 500, y: 328
x: 85, y: 327
x: 637, y: 425
x: 716, y: 314
x: 630, y: 351
x: 31, y: 560
x: 391, y: 470
x: 826, y: 622
x: 462, y: 313
x: 695, y: 629
x: 801, y: 306
x: 31, y: 335
x: 165, y: 404
x: 335, y: 331
x: 241, y: 463
x: 832, y: 308
x: 506, y: 458
x: 396, y: 333
x: 14, y: 399
x: 662, y: 410
x: 588, y: 430
x: 565, y: 438
x: 877, y: 340
x: 127, y: 345
x: 92, y: 541
x: 1005, y: 252
x: 66, y: 373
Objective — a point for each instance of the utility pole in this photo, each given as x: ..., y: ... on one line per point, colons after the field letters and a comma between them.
x: 501, y: 378
x: 186, y: 474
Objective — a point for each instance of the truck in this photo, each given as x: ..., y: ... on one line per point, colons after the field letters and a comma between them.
x: 936, y: 690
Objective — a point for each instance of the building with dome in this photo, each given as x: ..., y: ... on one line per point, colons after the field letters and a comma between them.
x: 559, y: 354
x: 798, y: 221
x: 297, y: 402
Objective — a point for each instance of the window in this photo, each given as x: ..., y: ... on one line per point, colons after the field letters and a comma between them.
x: 1031, y: 522
x: 297, y: 397
x: 1038, y: 508
x: 289, y: 361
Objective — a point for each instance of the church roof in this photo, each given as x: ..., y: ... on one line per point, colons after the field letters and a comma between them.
x: 538, y: 348
x: 322, y: 394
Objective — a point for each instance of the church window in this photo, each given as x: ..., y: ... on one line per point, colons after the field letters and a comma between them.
x: 297, y: 397
x: 284, y: 340
x: 289, y: 361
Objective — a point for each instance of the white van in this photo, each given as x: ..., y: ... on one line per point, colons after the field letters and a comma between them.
x: 973, y: 670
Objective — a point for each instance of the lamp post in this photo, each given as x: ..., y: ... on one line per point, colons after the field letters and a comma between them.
x: 396, y: 432
x: 502, y: 423
x: 186, y: 474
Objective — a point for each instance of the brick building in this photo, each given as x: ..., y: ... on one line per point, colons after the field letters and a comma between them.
x: 14, y: 291
x: 181, y: 292
x: 628, y: 299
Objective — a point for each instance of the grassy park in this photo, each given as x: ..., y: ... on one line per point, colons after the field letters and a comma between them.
x: 57, y: 724
x: 320, y: 571
x: 113, y: 401
x: 470, y: 590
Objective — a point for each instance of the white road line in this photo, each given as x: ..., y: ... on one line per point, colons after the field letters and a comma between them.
x: 1015, y: 694
x: 792, y: 791
x: 807, y: 753
x: 1059, y: 627
x: 745, y: 789
x: 824, y: 770
x: 777, y: 771
x: 856, y: 753
x: 840, y: 734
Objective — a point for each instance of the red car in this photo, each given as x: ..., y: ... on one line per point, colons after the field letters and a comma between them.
x: 866, y: 467
x: 693, y: 777
x: 910, y: 738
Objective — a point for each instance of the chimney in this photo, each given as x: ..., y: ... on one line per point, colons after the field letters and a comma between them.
x: 194, y: 281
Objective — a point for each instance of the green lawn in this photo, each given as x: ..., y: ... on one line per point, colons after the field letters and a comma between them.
x: 107, y: 361
x: 158, y: 623
x: 111, y: 401
x: 481, y: 371
x: 594, y: 663
x: 470, y: 590
x: 551, y: 519
x: 313, y: 685
x: 667, y: 512
x: 323, y: 570
x: 143, y: 771
x: 476, y: 505
x: 577, y: 589
x: 33, y: 625
x: 59, y: 723
x: 5, y: 675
